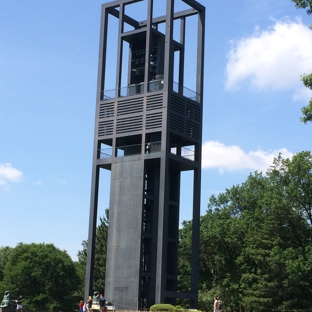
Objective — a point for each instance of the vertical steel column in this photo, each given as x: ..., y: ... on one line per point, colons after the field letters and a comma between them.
x: 198, y: 151
x: 200, y: 55
x: 92, y: 231
x: 161, y: 267
x: 96, y: 168
x: 182, y: 55
x: 119, y: 49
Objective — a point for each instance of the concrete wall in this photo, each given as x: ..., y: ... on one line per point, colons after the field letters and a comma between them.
x: 124, y: 235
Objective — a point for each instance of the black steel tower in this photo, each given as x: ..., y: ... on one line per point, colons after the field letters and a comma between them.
x: 148, y: 130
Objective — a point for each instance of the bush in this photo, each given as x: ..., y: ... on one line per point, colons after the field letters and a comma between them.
x: 162, y: 307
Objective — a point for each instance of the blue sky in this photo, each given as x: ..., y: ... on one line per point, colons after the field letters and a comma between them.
x: 255, y: 54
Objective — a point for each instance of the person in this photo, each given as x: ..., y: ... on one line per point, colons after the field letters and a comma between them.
x: 102, y: 303
x: 148, y: 148
x: 90, y: 304
x: 220, y: 306
x: 80, y: 306
x: 215, y: 304
x: 19, y: 304
x: 85, y: 307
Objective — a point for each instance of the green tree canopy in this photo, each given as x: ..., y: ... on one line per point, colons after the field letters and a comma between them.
x: 304, y: 4
x: 256, y: 241
x: 100, y: 254
x: 307, y: 110
x: 306, y: 79
x: 44, y: 275
x: 4, y: 255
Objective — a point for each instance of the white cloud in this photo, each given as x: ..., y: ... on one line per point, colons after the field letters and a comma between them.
x: 233, y: 158
x: 272, y: 59
x: 9, y: 174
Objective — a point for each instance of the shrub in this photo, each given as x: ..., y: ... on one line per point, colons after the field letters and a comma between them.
x: 162, y: 307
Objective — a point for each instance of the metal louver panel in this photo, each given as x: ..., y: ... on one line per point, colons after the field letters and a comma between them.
x: 177, y: 104
x: 192, y: 111
x: 106, y: 110
x: 130, y: 106
x: 185, y: 116
x: 129, y: 124
x: 192, y: 129
x: 153, y: 120
x: 105, y: 128
x: 154, y: 102
x: 177, y: 123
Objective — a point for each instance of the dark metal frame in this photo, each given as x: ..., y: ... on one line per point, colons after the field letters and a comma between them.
x: 146, y: 126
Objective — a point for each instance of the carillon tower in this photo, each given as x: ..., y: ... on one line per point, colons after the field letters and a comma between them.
x: 148, y: 130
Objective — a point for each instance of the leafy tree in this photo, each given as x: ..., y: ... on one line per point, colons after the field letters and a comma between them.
x: 307, y: 110
x: 306, y: 79
x: 81, y: 267
x: 295, y: 182
x: 256, y: 241
x: 304, y: 4
x: 100, y: 254
x: 4, y: 255
x: 184, y: 277
x: 44, y: 275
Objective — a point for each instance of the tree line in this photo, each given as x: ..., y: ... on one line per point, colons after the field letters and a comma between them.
x: 255, y: 255
x: 256, y: 241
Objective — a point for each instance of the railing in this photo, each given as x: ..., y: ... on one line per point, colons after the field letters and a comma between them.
x: 186, y: 152
x: 150, y: 147
x: 132, y: 90
x: 128, y: 150
x: 152, y: 86
x: 105, y: 153
x: 188, y: 93
x: 108, y: 94
x: 155, y: 85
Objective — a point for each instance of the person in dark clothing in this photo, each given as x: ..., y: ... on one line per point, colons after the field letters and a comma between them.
x: 102, y: 303
x: 19, y: 304
x: 90, y: 304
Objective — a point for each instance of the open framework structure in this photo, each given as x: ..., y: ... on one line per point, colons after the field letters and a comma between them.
x: 148, y: 130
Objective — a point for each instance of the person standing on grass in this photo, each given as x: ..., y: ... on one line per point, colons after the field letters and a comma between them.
x: 102, y: 303
x: 85, y: 307
x: 215, y: 304
x: 80, y: 306
x: 90, y: 304
x: 19, y: 304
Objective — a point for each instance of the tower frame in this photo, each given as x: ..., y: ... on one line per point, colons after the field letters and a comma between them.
x: 147, y: 133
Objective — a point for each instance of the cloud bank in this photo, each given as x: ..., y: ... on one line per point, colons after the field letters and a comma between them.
x: 233, y: 158
x: 9, y: 174
x: 272, y: 59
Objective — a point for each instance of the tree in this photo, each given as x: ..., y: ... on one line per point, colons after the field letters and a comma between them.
x: 295, y: 180
x: 304, y: 4
x: 100, y: 253
x: 44, y: 275
x: 307, y: 110
x: 256, y: 241
x: 4, y: 255
x: 184, y: 264
x: 306, y: 79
